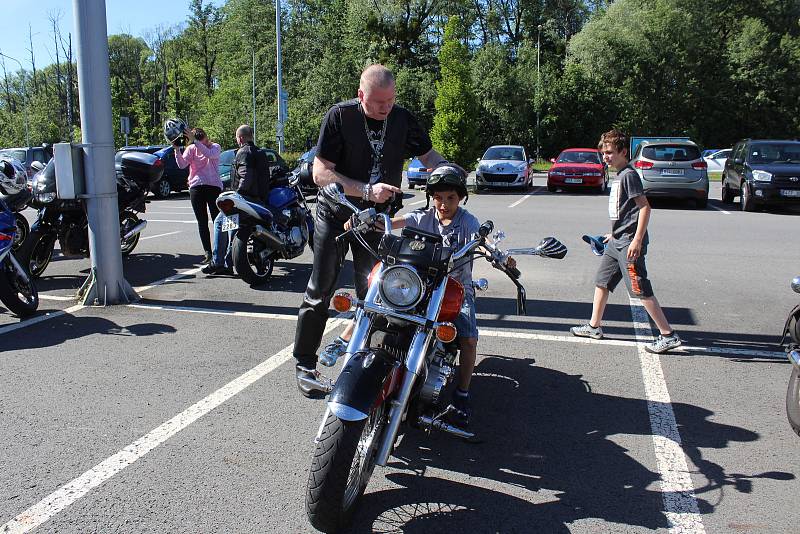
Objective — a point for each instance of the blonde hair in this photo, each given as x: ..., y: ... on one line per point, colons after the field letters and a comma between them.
x: 376, y: 76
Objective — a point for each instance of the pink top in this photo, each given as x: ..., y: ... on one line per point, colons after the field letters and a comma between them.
x: 203, y: 163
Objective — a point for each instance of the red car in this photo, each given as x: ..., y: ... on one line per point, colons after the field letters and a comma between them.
x: 579, y: 168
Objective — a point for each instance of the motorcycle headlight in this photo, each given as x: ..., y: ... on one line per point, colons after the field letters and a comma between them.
x: 401, y: 287
x: 45, y: 198
x: 762, y: 176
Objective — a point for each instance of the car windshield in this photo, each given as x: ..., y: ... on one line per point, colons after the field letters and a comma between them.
x: 579, y: 157
x: 774, y: 153
x: 671, y: 152
x: 507, y: 153
x: 226, y: 158
x: 16, y: 154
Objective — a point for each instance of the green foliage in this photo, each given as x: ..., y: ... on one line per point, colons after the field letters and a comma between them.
x: 454, y: 126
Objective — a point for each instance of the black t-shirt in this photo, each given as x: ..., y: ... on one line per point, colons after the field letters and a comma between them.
x: 343, y: 141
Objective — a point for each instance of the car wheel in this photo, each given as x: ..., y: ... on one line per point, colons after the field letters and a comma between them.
x: 727, y: 194
x: 162, y: 189
x: 551, y: 188
x: 701, y: 203
x: 746, y: 199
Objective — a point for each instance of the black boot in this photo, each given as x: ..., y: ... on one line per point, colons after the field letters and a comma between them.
x: 312, y: 383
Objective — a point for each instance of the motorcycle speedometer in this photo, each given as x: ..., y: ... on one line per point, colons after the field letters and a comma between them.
x: 400, y: 287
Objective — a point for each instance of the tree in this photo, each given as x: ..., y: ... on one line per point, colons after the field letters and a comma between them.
x: 454, y: 125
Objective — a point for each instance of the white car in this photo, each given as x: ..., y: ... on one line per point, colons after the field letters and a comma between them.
x: 504, y: 166
x: 716, y: 161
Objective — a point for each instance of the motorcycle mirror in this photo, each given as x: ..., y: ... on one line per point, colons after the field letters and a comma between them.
x: 549, y: 247
x: 481, y: 284
x: 796, y: 284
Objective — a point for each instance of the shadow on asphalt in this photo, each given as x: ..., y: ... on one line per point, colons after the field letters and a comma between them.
x: 71, y: 327
x: 544, y: 432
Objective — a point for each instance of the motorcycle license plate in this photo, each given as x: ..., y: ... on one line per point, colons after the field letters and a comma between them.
x: 672, y: 172
x: 230, y: 223
x: 790, y: 192
x: 573, y: 180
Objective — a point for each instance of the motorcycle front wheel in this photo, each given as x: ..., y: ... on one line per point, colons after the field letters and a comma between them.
x: 793, y: 400
x: 36, y: 252
x: 253, y: 263
x: 344, y: 459
x: 17, y: 291
x: 23, y: 229
x: 126, y: 224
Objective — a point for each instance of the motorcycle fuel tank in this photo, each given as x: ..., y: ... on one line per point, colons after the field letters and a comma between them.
x: 281, y: 197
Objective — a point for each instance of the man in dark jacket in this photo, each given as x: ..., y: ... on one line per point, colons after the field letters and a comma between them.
x: 250, y: 178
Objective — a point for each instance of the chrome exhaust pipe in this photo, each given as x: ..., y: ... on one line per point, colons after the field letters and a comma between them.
x: 135, y: 230
x: 272, y: 240
x: 794, y: 357
x: 437, y: 424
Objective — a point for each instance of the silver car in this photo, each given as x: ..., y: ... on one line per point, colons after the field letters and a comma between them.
x: 673, y: 169
x: 504, y: 166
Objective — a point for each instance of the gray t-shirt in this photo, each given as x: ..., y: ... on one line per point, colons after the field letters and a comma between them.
x: 622, y: 208
x: 455, y: 235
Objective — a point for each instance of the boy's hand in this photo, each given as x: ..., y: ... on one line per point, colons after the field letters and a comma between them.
x: 606, y: 238
x: 511, y: 262
x: 634, y: 249
x: 348, y: 224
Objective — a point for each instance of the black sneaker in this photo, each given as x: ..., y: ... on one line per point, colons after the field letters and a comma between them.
x: 206, y: 259
x: 214, y: 270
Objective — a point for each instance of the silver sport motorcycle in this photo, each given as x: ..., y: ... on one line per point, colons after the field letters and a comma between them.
x: 400, y: 358
x: 791, y: 341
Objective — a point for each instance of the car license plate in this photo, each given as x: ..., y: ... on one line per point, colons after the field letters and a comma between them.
x: 671, y: 172
x: 573, y: 180
x: 790, y: 192
x: 230, y: 223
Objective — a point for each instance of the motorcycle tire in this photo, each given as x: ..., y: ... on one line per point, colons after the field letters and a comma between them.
x: 338, y: 475
x: 17, y: 293
x: 23, y: 229
x: 793, y: 400
x: 247, y: 259
x: 36, y: 252
x: 129, y: 220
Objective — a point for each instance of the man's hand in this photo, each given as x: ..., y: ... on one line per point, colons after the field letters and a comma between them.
x: 634, y: 249
x: 511, y: 262
x: 383, y: 192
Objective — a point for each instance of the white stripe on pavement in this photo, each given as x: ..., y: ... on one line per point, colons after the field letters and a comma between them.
x: 677, y: 491
x: 159, y: 235
x: 80, y: 486
x: 171, y: 221
x: 38, y: 319
x: 720, y: 209
x: 172, y: 278
x: 211, y: 311
x: 417, y: 202
x: 57, y: 297
x: 520, y: 201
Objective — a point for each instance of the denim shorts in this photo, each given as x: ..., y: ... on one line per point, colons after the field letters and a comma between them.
x: 466, y: 323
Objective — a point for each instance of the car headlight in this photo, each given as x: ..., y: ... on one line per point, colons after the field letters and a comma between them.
x: 557, y: 173
x: 400, y: 287
x: 762, y: 176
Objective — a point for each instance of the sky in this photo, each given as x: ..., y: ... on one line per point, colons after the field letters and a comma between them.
x: 122, y: 16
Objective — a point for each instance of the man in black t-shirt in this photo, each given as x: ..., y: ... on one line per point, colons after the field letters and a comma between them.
x: 362, y: 145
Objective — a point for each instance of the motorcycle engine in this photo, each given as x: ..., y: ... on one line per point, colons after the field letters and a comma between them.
x: 439, y: 374
x: 74, y: 239
x: 295, y: 233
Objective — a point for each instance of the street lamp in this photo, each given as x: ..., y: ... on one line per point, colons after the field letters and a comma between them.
x: 538, y: 85
x: 24, y: 98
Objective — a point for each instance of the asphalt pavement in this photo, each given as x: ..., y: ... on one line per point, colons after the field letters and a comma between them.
x: 179, y: 413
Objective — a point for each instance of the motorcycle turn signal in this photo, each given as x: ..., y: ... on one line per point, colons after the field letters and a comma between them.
x: 446, y: 332
x: 342, y: 302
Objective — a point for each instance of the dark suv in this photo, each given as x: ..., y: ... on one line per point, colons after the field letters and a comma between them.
x: 173, y: 179
x: 761, y: 172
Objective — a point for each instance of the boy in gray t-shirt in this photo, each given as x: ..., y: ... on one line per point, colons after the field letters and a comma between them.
x: 626, y: 247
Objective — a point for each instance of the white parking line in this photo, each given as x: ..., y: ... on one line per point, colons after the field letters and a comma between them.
x: 720, y: 209
x: 56, y: 297
x: 211, y: 311
x: 159, y: 235
x: 520, y: 201
x: 168, y: 212
x: 80, y: 486
x: 171, y: 221
x: 677, y: 490
x: 417, y: 202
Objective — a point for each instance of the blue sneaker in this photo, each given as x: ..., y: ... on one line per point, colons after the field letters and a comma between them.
x: 332, y: 352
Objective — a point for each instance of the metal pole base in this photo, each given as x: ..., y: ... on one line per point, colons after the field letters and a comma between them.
x: 90, y: 294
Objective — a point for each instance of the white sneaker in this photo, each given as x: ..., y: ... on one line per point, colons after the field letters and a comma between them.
x: 587, y: 330
x: 663, y: 343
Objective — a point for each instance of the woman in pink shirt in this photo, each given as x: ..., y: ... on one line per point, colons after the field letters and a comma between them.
x: 202, y: 158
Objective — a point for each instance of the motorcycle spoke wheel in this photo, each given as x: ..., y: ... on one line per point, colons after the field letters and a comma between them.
x: 793, y: 400
x: 18, y: 293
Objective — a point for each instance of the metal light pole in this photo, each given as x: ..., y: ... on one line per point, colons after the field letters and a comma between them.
x: 24, y: 98
x: 279, y: 124
x: 538, y: 85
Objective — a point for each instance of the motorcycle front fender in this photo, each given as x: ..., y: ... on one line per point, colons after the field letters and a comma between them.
x: 360, y: 384
x: 796, y: 314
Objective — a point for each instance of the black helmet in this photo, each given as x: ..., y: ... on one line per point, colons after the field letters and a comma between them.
x: 173, y: 129
x: 447, y: 177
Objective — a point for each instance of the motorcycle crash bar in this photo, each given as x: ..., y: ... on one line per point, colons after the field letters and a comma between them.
x: 794, y: 357
x: 136, y: 230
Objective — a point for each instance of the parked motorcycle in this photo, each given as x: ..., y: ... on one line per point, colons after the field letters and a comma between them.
x: 17, y: 290
x: 17, y: 202
x: 66, y: 220
x: 279, y: 230
x: 400, y: 358
x: 791, y: 341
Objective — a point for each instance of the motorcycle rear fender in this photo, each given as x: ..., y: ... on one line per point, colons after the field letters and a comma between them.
x: 360, y: 384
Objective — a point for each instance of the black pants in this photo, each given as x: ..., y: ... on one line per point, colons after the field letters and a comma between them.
x: 328, y: 259
x: 202, y: 197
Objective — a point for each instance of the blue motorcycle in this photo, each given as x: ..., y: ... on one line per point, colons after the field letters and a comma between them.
x: 17, y: 291
x: 280, y: 230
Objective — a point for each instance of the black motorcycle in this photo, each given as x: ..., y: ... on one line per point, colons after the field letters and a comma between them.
x: 791, y: 341
x: 400, y: 358
x: 66, y: 220
x: 16, y: 203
